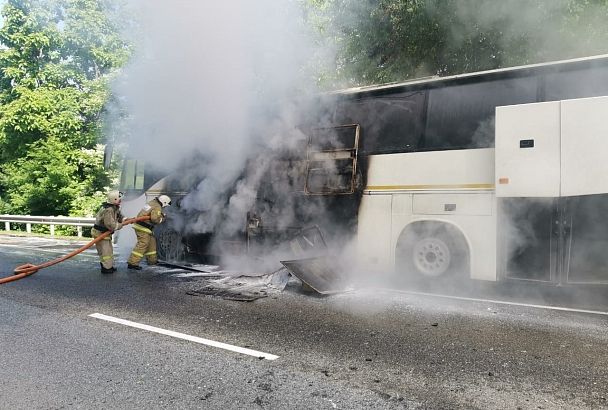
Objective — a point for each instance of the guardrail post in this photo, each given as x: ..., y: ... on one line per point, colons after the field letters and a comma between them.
x: 52, y: 229
x: 28, y: 228
x: 7, y: 226
x: 79, y: 230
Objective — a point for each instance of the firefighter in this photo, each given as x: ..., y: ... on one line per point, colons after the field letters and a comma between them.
x: 108, y: 218
x: 146, y: 242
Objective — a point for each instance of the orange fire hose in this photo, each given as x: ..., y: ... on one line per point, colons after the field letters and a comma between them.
x: 29, y: 269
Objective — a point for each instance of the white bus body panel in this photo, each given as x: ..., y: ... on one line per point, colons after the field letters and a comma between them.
x: 532, y: 171
x: 451, y: 187
x: 569, y: 153
x: 478, y: 228
x: 374, y: 233
x: 545, y: 150
x: 584, y: 141
x: 458, y: 169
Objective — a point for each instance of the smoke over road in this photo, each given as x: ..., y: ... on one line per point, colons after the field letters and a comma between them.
x: 211, y: 85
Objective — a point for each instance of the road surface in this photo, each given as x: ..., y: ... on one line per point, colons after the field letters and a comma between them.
x: 73, y: 338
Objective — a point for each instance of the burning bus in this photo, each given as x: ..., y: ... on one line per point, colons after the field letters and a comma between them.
x: 494, y: 175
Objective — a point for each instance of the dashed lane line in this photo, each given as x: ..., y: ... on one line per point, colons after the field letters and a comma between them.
x: 184, y: 336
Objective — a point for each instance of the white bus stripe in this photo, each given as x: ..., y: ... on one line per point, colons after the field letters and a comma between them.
x: 184, y: 336
x: 500, y: 302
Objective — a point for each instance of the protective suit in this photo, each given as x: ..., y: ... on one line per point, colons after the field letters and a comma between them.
x: 144, y: 230
x: 108, y: 218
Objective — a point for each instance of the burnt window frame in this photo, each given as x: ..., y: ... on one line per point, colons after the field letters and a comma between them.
x: 332, y: 155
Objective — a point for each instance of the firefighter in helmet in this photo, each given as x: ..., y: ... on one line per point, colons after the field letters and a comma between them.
x: 108, y: 218
x: 146, y: 242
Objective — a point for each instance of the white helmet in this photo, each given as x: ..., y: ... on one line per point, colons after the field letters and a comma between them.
x: 114, y: 197
x: 164, y: 200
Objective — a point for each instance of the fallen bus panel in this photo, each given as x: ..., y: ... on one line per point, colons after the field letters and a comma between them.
x: 320, y: 273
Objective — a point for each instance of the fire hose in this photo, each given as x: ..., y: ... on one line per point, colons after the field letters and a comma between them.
x: 29, y: 269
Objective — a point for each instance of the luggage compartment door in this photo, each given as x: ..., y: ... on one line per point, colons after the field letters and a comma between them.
x: 584, y: 144
x: 528, y: 150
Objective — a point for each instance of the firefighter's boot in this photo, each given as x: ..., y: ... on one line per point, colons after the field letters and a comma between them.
x: 107, y: 270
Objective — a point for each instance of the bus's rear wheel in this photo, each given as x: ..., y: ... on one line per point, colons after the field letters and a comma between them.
x: 431, y: 256
x: 428, y: 251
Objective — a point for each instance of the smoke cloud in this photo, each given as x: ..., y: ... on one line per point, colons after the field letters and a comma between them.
x: 533, y: 32
x: 209, y: 87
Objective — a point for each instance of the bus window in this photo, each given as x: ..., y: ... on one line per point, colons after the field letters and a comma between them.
x: 286, y: 175
x: 462, y: 116
x: 391, y: 123
x: 132, y: 177
x: 332, y: 160
x: 590, y: 82
x: 331, y: 139
x: 330, y: 177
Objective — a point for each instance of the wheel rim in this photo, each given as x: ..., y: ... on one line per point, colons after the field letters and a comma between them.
x: 431, y: 256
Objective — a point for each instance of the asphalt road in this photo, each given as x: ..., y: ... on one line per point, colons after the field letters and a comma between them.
x: 371, y: 348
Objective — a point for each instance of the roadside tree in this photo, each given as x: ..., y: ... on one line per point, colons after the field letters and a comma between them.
x: 56, y: 59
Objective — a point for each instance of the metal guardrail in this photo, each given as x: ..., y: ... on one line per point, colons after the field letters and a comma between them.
x: 30, y: 220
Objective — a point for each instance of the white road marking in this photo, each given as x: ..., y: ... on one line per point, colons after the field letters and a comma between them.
x: 501, y: 302
x: 184, y: 336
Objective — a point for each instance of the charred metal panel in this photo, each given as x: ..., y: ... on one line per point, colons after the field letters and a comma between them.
x: 245, y: 288
x: 320, y: 273
x: 309, y: 241
x: 319, y: 185
x: 227, y: 294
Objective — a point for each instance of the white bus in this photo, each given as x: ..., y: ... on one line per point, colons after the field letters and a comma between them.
x: 506, y: 177
x: 495, y: 175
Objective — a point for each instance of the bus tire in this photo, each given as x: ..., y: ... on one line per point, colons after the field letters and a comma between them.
x: 169, y: 244
x: 431, y: 251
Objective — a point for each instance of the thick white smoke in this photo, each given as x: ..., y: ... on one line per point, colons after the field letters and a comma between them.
x: 543, y: 30
x: 209, y: 84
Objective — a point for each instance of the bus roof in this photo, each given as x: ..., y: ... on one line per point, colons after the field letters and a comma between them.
x: 433, y: 81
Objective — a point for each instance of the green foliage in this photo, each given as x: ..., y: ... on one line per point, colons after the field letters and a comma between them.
x: 52, y: 179
x: 393, y: 40
x: 56, y: 58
